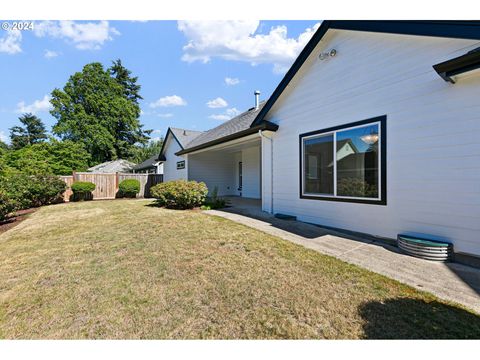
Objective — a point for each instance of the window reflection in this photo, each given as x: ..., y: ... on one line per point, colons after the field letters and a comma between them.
x: 318, y: 160
x: 357, y: 162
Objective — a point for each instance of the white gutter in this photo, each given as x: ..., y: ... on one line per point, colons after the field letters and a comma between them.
x: 271, y: 168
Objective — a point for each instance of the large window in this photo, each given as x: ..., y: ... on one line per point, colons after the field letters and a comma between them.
x: 345, y: 163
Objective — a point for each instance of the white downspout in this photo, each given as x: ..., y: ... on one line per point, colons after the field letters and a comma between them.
x: 271, y: 168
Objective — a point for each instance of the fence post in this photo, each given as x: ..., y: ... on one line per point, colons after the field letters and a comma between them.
x: 116, y: 181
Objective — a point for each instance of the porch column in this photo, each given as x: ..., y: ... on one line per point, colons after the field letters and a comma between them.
x: 267, y: 173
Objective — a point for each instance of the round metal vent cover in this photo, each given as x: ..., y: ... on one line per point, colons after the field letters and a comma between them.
x: 424, y: 248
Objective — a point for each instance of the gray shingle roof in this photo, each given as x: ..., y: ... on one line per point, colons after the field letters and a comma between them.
x: 147, y: 163
x: 185, y: 136
x: 237, y: 124
x: 113, y: 166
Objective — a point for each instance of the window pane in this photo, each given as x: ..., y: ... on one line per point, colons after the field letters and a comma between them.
x: 318, y: 160
x: 357, y: 162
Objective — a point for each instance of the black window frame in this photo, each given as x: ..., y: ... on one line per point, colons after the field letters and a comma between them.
x: 181, y: 165
x: 382, y: 120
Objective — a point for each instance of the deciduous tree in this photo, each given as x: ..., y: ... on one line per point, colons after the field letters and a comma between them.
x: 100, y: 111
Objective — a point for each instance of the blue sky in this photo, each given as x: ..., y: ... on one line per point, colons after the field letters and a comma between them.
x: 182, y: 66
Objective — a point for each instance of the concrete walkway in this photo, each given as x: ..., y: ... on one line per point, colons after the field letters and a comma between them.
x: 449, y: 281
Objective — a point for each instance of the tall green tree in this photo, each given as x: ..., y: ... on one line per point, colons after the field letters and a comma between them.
x: 123, y: 76
x: 144, y: 152
x: 32, y: 132
x: 95, y: 109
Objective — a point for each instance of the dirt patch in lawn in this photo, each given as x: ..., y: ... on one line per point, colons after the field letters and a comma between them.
x: 15, y: 220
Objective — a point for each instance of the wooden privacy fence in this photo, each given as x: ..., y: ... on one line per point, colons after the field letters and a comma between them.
x: 69, y: 181
x: 106, y: 184
x: 146, y: 181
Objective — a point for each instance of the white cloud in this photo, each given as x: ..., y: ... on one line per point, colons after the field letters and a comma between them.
x: 221, y: 117
x: 236, y: 40
x: 84, y: 35
x: 159, y: 134
x: 229, y: 113
x: 232, y: 81
x: 3, y: 137
x: 36, y: 106
x: 166, y: 101
x: 217, y: 103
x: 232, y: 112
x: 10, y: 43
x: 165, y: 115
x: 50, y: 54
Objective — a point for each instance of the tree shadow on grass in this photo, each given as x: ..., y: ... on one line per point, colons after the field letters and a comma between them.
x: 417, y: 319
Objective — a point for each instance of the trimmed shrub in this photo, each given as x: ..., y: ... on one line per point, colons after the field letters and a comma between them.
x: 28, y: 191
x: 180, y: 194
x: 129, y: 188
x: 82, y: 190
x: 6, y: 205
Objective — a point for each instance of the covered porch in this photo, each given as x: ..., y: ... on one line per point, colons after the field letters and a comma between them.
x: 242, y: 205
x: 233, y: 168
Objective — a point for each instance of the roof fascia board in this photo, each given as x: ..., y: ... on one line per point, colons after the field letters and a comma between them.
x: 438, y: 28
x: 165, y: 141
x: 263, y: 126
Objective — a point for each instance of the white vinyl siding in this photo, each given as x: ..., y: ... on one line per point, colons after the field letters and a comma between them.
x: 220, y: 169
x: 215, y: 169
x: 267, y: 174
x: 433, y: 151
x: 160, y: 168
x: 170, y: 171
x: 251, y: 172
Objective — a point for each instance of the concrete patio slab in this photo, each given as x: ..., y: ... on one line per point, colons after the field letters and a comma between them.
x: 450, y: 281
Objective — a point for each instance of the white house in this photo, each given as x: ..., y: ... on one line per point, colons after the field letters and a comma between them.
x: 150, y: 166
x: 373, y: 129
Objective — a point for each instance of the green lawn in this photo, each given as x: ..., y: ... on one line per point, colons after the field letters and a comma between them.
x: 123, y: 269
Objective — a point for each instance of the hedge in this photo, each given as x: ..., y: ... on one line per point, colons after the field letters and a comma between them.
x: 7, y: 206
x: 129, y: 188
x: 26, y: 191
x: 180, y: 194
x: 82, y: 190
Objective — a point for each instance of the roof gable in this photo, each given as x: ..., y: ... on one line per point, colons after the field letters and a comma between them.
x: 181, y: 136
x: 147, y: 163
x: 184, y: 136
x: 436, y: 28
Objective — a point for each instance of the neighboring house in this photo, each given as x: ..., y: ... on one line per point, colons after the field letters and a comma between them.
x: 404, y: 97
x: 150, y: 166
x: 114, y: 166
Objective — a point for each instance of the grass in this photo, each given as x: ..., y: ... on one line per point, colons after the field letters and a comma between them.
x: 123, y: 269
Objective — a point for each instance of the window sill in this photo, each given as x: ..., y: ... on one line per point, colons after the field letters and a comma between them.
x: 339, y: 199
